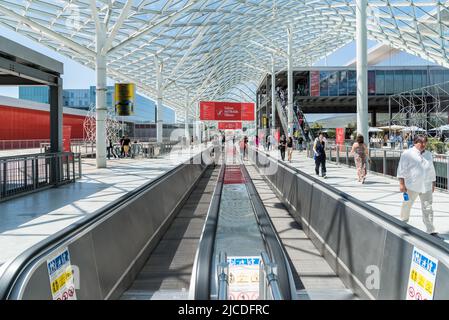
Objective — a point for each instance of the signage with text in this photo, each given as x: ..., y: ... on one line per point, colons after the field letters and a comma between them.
x: 226, y: 111
x: 423, y: 273
x: 229, y: 125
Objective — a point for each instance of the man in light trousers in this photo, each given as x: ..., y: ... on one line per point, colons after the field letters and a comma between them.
x: 417, y: 177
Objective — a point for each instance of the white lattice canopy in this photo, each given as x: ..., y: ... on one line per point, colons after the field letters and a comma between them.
x: 219, y: 49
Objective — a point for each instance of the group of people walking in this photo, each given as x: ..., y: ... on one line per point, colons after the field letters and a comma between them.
x: 415, y: 172
x: 125, y: 145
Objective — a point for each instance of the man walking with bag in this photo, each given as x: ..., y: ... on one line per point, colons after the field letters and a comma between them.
x: 417, y: 177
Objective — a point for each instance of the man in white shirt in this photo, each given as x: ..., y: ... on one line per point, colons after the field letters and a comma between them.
x: 417, y: 177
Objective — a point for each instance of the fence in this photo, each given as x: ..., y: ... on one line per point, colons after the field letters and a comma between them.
x: 29, y: 173
x: 384, y: 161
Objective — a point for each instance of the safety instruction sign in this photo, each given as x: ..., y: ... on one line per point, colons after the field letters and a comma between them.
x: 244, y: 278
x: 423, y: 272
x: 61, y: 276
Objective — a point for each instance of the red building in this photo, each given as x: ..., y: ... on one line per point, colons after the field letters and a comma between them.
x: 27, y: 120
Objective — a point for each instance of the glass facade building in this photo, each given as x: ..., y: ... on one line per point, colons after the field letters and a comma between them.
x: 145, y: 109
x: 34, y: 93
x: 380, y: 81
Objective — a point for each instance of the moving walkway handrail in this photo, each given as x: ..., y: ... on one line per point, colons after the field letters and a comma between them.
x: 269, y: 282
x: 273, y: 244
x: 17, y: 268
x: 223, y: 276
x: 372, y: 210
x: 201, y: 272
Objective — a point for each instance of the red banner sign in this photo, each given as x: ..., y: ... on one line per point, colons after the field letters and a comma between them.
x: 226, y: 111
x: 66, y: 136
x: 229, y: 125
x: 315, y: 83
x: 340, y: 137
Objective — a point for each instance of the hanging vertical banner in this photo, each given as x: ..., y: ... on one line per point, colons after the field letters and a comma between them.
x: 124, y: 98
x: 60, y: 271
x: 244, y: 278
x: 315, y: 83
x: 66, y: 136
x: 371, y: 82
x: 340, y: 137
x: 264, y: 120
x: 423, y: 272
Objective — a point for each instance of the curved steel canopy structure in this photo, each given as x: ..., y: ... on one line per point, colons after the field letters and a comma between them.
x: 183, y: 51
x: 214, y: 49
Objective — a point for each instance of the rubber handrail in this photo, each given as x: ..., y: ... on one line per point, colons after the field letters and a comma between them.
x: 272, y: 241
x: 203, y: 264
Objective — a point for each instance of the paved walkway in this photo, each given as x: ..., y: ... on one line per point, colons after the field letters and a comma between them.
x: 381, y: 192
x: 26, y: 220
x: 18, y: 152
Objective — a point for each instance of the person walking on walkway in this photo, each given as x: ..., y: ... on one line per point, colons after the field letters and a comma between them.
x: 417, y: 177
x: 110, y: 150
x: 126, y: 146
x: 272, y: 142
x: 320, y: 155
x: 282, y: 146
x: 245, y: 146
x: 289, y: 148
x: 360, y: 152
x: 122, y: 150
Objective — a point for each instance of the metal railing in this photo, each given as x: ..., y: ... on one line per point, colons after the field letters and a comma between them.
x: 28, y: 144
x: 268, y: 279
x: 223, y: 276
x: 28, y: 173
x: 384, y: 161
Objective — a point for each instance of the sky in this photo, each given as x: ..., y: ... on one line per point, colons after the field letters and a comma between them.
x: 77, y: 76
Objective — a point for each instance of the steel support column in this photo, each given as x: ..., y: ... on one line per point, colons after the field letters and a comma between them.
x: 290, y: 82
x: 101, y: 106
x: 159, y: 111
x: 273, y: 97
x: 56, y: 113
x: 362, y: 68
x: 197, y: 122
x: 186, y: 123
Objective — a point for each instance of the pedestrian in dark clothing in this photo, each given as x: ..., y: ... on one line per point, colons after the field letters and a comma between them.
x: 110, y: 149
x: 282, y: 146
x: 122, y: 149
x: 320, y: 155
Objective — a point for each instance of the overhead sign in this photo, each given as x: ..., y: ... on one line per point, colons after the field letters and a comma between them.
x: 60, y: 271
x: 229, y: 125
x: 226, y: 111
x: 244, y: 278
x: 207, y: 110
x: 248, y: 112
x: 124, y: 98
x: 423, y: 272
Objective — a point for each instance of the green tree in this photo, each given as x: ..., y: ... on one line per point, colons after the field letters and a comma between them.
x: 316, y: 126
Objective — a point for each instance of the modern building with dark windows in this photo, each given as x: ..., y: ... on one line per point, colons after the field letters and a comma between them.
x: 334, y: 89
x: 145, y: 109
